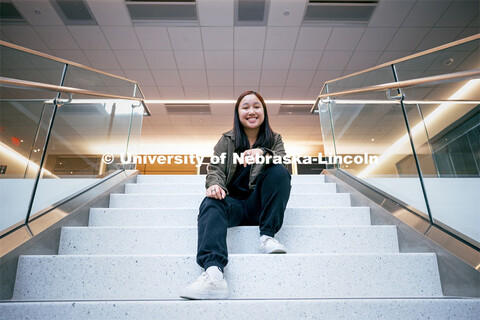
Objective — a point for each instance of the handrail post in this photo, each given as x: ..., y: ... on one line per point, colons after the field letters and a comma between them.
x: 44, y: 152
x: 412, y: 145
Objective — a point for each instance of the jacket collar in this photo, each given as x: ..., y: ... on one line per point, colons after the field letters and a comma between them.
x: 229, y: 134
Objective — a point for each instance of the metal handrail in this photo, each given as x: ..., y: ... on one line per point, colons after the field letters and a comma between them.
x: 15, y: 83
x: 410, y: 57
x: 64, y: 61
x: 403, y: 84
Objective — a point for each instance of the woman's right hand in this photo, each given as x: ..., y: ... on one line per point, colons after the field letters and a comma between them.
x: 216, y: 192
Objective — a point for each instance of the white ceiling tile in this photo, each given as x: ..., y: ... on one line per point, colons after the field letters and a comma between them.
x: 89, y: 37
x: 160, y: 59
x: 279, y: 38
x: 313, y: 38
x: 475, y: 22
x: 467, y: 32
x: 247, y: 77
x: 110, y: 13
x: 248, y: 60
x: 437, y: 37
x: 150, y: 93
x: 376, y: 39
x: 24, y: 36
x: 102, y: 59
x: 117, y: 72
x: 271, y: 93
x: 239, y: 90
x: 299, y: 78
x: 407, y: 39
x: 121, y: 37
x: 143, y: 77
x: 166, y: 78
x: 172, y: 93
x: 193, y: 77
x: 48, y: 14
x: 185, y: 38
x: 277, y: 59
x: 334, y: 60
x: 220, y: 78
x: 221, y: 93
x: 153, y: 38
x: 425, y: 14
x: 219, y: 59
x: 131, y: 59
x: 295, y: 93
x: 388, y: 56
x: 73, y: 55
x: 180, y: 119
x: 286, y: 12
x: 249, y: 38
x: 363, y: 60
x: 459, y: 14
x: 321, y: 76
x: 305, y: 60
x: 196, y: 92
x: 190, y: 59
x: 215, y: 12
x: 273, y: 78
x: 273, y: 108
x: 313, y: 93
x: 390, y: 13
x: 344, y: 38
x: 57, y: 37
x: 217, y: 38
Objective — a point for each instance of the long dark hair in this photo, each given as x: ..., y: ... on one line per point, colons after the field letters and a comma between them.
x: 265, y: 133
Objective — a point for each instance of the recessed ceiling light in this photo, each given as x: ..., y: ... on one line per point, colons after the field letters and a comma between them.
x: 448, y: 62
x: 286, y: 13
x: 373, y: 139
x: 37, y: 11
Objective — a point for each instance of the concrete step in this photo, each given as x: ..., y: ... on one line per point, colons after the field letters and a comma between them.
x: 183, y: 240
x: 103, y: 217
x: 194, y: 200
x: 174, y: 188
x: 390, y: 275
x: 306, y: 178
x: 325, y: 309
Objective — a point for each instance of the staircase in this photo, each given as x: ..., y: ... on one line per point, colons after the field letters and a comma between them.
x: 137, y: 255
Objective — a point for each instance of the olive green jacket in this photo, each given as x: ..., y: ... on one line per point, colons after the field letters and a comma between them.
x: 222, y: 173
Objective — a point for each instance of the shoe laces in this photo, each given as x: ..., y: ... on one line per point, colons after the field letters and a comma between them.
x: 275, y: 241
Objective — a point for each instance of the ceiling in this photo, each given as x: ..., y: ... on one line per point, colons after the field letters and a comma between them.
x: 212, y: 59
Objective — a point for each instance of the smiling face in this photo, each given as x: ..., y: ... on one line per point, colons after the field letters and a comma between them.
x: 250, y: 112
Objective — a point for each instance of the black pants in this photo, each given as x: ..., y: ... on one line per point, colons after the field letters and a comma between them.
x: 264, y: 207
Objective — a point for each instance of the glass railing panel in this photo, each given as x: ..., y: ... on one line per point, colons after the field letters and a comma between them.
x: 22, y: 65
x: 454, y: 59
x: 369, y: 78
x: 90, y: 80
x: 452, y: 177
x: 24, y: 119
x: 365, y: 130
x: 83, y: 131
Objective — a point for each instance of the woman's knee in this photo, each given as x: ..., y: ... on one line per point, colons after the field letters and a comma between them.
x: 210, y: 206
x: 278, y: 172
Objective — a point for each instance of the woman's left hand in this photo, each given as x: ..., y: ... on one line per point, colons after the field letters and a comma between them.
x: 255, y: 153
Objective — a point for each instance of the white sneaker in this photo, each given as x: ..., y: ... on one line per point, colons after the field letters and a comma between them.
x: 206, y: 288
x: 270, y: 245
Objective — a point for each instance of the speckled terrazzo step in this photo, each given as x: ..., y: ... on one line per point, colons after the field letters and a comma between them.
x: 151, y: 188
x: 188, y: 216
x: 250, y: 276
x: 194, y: 200
x: 326, y: 309
x: 183, y: 240
x: 306, y: 178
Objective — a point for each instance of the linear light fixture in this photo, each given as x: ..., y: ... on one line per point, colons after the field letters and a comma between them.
x: 228, y: 101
